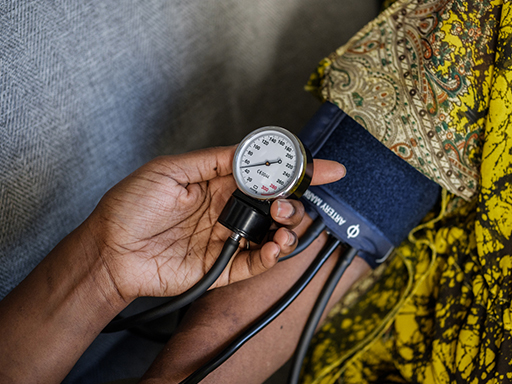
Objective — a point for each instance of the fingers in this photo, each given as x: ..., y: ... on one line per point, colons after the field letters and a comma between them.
x: 250, y: 263
x: 201, y: 165
x: 206, y: 164
x: 327, y: 171
x: 287, y: 212
x: 286, y: 240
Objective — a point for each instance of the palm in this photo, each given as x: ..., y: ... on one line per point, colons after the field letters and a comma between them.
x: 164, y: 233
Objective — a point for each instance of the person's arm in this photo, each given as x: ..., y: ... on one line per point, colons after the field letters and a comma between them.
x: 55, y: 313
x: 153, y: 234
x: 216, y: 319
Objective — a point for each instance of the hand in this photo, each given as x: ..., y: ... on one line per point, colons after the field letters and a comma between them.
x: 156, y: 230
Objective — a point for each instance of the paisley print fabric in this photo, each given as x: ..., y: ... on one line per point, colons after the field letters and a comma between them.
x: 416, y: 78
x: 439, y: 311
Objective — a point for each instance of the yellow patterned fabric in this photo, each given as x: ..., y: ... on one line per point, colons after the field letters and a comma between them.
x: 440, y: 310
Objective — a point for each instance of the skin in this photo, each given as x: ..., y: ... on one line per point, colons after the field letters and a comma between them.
x: 219, y: 317
x: 153, y: 234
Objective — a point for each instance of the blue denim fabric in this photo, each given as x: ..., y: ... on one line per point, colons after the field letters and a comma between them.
x: 91, y: 90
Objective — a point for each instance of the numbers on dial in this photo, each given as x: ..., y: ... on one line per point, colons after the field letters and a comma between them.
x: 268, y: 163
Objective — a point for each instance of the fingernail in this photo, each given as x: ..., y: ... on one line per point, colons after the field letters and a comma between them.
x: 277, y: 252
x: 285, y: 209
x: 291, y: 238
x: 344, y: 172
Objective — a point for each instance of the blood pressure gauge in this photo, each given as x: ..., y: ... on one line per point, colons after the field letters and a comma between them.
x: 269, y: 163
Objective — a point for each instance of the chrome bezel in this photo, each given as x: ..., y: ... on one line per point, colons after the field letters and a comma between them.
x: 299, y: 171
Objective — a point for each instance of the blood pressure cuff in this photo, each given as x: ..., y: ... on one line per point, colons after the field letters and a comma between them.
x: 381, y: 198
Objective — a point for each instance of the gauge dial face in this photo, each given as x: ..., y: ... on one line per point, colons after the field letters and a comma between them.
x: 269, y: 163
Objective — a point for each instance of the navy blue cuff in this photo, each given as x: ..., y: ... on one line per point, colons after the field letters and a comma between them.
x: 380, y: 200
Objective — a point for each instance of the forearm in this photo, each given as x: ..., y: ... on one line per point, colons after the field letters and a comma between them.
x: 49, y: 320
x: 217, y: 319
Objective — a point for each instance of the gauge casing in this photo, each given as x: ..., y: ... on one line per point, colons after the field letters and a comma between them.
x: 269, y: 163
x: 272, y: 163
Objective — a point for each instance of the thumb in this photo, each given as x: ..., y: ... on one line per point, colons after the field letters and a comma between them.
x: 201, y: 165
x: 327, y: 171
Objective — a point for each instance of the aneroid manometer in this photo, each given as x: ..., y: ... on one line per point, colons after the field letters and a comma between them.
x: 269, y: 163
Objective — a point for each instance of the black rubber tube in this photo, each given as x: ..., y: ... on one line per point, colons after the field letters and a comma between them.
x: 177, y: 302
x: 316, y: 313
x: 268, y: 317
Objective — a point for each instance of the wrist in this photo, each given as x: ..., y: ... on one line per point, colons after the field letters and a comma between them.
x: 95, y: 254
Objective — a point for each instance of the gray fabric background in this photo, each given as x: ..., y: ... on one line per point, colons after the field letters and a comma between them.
x: 91, y: 90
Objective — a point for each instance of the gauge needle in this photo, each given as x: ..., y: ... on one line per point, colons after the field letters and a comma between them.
x: 267, y: 163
